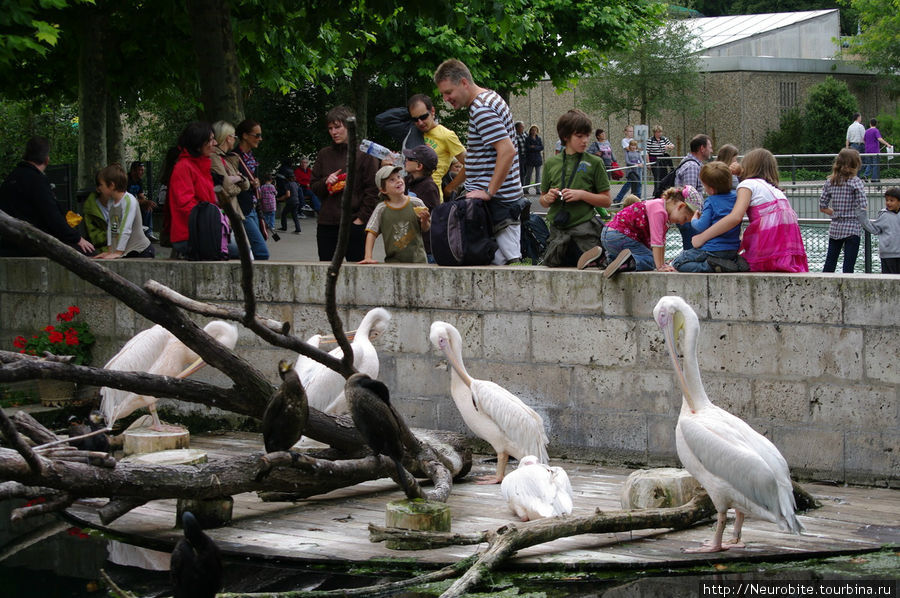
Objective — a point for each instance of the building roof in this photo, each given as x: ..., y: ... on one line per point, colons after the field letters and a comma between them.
x: 713, y: 32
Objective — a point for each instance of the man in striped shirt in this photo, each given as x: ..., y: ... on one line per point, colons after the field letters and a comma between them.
x: 492, y: 162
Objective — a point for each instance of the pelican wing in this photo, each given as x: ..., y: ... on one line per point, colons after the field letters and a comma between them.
x: 528, y: 491
x: 521, y: 425
x: 562, y: 500
x: 718, y: 441
x: 138, y: 355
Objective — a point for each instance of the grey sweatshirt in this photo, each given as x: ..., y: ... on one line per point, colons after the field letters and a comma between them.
x: 887, y: 227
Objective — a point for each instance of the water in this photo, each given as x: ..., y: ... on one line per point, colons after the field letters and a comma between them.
x: 68, y: 565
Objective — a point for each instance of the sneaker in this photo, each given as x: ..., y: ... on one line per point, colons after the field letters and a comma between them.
x: 302, y: 216
x: 593, y: 256
x: 619, y: 263
x: 721, y: 265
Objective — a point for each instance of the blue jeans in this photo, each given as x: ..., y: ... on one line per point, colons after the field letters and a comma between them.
x: 614, y: 242
x: 851, y: 251
x: 635, y: 186
x: 257, y: 243
x: 691, y: 260
x: 306, y: 194
x: 871, y: 169
x: 269, y: 217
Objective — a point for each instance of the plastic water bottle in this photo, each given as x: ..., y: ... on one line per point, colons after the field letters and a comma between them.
x: 373, y: 149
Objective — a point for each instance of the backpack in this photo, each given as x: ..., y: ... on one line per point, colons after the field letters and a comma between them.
x: 462, y: 233
x: 535, y: 235
x: 666, y: 182
x: 208, y: 233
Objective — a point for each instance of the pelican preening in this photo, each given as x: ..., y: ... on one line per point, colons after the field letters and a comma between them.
x: 376, y: 419
x: 325, y: 387
x: 534, y: 490
x: 286, y: 414
x: 156, y: 351
x: 491, y: 412
x: 737, y: 466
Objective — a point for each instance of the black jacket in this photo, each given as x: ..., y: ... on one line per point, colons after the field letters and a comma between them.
x: 26, y: 194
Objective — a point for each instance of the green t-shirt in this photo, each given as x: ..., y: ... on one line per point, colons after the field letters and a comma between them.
x: 400, y: 230
x: 590, y: 175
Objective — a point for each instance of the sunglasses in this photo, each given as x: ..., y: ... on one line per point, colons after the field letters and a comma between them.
x: 422, y: 117
x: 257, y: 135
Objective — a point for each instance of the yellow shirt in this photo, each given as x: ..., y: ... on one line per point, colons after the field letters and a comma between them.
x: 446, y: 145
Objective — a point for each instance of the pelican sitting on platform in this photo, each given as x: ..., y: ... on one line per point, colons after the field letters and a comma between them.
x: 287, y: 413
x: 737, y: 466
x: 156, y: 351
x: 491, y: 412
x: 325, y: 387
x: 534, y: 490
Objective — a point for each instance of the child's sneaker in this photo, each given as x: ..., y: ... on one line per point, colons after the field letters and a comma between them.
x: 591, y: 257
x: 624, y: 262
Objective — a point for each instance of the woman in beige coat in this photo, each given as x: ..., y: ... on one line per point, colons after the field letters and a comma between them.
x: 228, y: 180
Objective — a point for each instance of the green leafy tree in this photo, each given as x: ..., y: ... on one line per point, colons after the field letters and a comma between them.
x: 820, y: 127
x: 877, y: 43
x: 788, y: 138
x: 658, y: 71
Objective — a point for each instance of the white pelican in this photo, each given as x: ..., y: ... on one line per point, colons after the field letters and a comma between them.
x: 491, y: 412
x: 738, y: 466
x: 156, y: 351
x: 325, y: 387
x: 535, y: 490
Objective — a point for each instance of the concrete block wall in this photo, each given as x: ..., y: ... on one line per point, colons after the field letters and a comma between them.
x: 810, y: 361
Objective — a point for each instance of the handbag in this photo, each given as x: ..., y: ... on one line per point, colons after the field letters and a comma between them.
x: 615, y: 172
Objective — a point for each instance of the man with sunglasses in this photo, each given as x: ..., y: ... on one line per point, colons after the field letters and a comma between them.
x: 416, y: 125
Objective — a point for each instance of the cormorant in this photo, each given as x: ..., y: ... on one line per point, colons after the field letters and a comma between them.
x: 286, y: 414
x: 196, y: 565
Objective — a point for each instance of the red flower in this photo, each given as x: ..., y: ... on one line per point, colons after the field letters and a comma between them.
x: 56, y: 337
x: 49, y: 328
x: 19, y: 343
x: 73, y: 309
x: 71, y: 340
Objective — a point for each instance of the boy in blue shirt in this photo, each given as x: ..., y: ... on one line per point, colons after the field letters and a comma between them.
x: 719, y: 254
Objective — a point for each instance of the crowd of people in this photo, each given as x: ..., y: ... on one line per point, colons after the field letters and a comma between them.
x: 396, y: 196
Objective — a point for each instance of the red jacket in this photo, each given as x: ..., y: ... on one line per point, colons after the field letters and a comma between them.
x: 302, y: 176
x: 191, y: 182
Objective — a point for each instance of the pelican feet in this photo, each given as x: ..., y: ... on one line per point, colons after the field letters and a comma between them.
x: 488, y: 479
x: 708, y: 546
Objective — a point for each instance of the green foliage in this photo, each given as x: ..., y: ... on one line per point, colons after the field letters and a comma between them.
x: 29, y: 29
x: 21, y: 120
x: 879, y: 21
x: 820, y: 126
x: 889, y: 125
x: 658, y: 71
x: 64, y: 338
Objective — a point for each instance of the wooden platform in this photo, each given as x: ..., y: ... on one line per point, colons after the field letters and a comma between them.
x: 334, y: 526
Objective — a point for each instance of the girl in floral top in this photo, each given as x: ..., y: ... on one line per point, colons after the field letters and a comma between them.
x: 267, y: 202
x: 635, y: 239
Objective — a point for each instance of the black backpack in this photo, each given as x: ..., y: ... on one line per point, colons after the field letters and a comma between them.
x: 666, y: 182
x: 462, y: 233
x: 208, y: 233
x: 535, y: 235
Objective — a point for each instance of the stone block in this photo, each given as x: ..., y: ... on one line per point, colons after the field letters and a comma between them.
x: 407, y: 332
x: 661, y: 440
x: 733, y: 394
x: 582, y: 340
x: 872, y: 456
x: 880, y: 351
x: 470, y: 326
x: 507, y: 336
x: 420, y: 376
x: 739, y: 348
x: 274, y: 283
x: 25, y: 314
x: 309, y: 283
x: 217, y: 281
x: 830, y: 351
x: 795, y: 299
x: 644, y: 290
x: 554, y: 290
x: 864, y: 301
x: 664, y: 488
x: 811, y: 451
x: 782, y: 401
x: 866, y: 407
x: 535, y: 384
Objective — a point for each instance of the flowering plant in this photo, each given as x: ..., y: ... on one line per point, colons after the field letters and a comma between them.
x: 65, y: 338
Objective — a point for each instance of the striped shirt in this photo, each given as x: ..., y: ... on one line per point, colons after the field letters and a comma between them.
x: 489, y: 122
x: 846, y: 200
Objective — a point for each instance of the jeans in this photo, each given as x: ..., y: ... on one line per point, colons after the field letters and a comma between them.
x: 860, y: 147
x: 851, y: 251
x: 687, y: 233
x: 307, y: 195
x: 257, y: 243
x: 269, y: 217
x: 614, y: 242
x: 635, y: 186
x: 871, y: 170
x: 691, y: 260
x: 533, y: 168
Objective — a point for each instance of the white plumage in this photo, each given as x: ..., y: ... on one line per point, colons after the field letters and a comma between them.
x: 737, y: 466
x: 534, y: 490
x: 156, y: 351
x: 325, y: 387
x: 491, y: 412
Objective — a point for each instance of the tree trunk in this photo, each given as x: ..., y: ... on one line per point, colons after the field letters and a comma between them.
x: 217, y: 68
x: 359, y: 88
x: 115, y: 144
x: 92, y: 92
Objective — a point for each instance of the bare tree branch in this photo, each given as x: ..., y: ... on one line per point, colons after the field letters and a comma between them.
x: 12, y: 437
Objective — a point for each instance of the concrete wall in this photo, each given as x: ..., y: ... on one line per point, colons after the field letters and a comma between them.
x: 810, y: 361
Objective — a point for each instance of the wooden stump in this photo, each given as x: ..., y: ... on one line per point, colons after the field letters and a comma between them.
x: 665, y: 488
x: 416, y: 514
x: 145, y: 440
x: 210, y: 512
x: 173, y: 457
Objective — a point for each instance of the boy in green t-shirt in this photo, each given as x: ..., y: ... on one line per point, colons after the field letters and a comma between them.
x: 400, y: 218
x: 574, y: 185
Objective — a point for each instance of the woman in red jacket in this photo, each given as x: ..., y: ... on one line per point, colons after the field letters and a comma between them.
x: 191, y: 182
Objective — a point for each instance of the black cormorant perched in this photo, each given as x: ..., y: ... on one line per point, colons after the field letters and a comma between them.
x: 98, y: 442
x: 286, y: 414
x: 196, y: 565
x: 376, y: 419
